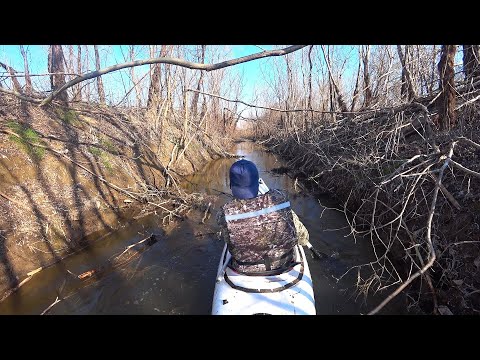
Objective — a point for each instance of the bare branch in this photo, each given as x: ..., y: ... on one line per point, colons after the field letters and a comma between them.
x: 173, y: 61
x: 276, y: 109
x: 463, y: 168
x: 468, y: 102
x: 260, y: 47
x: 21, y: 96
x: 20, y: 74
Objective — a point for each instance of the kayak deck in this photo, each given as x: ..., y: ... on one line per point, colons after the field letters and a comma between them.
x: 289, y: 293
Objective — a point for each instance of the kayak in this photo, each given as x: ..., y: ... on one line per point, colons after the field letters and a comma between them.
x: 288, y: 293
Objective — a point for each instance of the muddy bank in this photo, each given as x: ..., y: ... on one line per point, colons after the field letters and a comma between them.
x: 69, y: 173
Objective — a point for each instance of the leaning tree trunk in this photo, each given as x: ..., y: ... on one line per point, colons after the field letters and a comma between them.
x: 28, y: 80
x: 16, y: 85
x: 56, y: 69
x: 471, y: 61
x: 101, y: 92
x: 446, y: 100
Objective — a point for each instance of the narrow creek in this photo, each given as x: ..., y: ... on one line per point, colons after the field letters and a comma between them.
x: 176, y: 275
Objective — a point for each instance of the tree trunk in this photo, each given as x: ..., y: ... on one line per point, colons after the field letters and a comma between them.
x: 355, y: 92
x: 87, y: 66
x: 432, y: 74
x: 407, y: 91
x: 154, y: 89
x: 366, y: 78
x: 132, y: 75
x: 338, y: 96
x: 56, y: 68
x: 77, y: 89
x: 101, y: 92
x: 332, y: 100
x: 446, y: 100
x: 28, y: 80
x: 309, y: 104
x: 70, y: 69
x: 201, y: 59
x: 471, y: 61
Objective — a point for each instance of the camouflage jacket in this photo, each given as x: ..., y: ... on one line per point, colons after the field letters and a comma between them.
x: 254, y: 233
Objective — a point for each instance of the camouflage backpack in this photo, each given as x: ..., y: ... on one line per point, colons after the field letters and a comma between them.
x: 261, y: 233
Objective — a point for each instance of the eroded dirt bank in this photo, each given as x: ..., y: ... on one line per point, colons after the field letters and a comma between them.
x: 70, y: 173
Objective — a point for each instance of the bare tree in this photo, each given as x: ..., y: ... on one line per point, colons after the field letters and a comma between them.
x: 446, y: 100
x: 407, y: 90
x: 335, y: 94
x: 87, y: 66
x: 201, y: 60
x: 101, y: 92
x: 366, y: 77
x: 132, y: 75
x: 28, y: 80
x: 355, y: 91
x: 77, y: 89
x: 471, y: 61
x: 55, y: 67
x: 155, y: 80
x: 310, y: 66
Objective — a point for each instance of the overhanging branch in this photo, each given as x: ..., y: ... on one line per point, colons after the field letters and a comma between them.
x: 172, y: 61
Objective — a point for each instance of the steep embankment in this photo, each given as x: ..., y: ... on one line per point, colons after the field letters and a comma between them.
x: 68, y: 172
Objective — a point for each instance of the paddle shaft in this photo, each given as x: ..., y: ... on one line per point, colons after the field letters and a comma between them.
x: 316, y: 254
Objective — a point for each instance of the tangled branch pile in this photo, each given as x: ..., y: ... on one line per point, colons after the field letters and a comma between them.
x: 412, y: 192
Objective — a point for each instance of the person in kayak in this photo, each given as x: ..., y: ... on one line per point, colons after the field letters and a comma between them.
x: 260, y: 228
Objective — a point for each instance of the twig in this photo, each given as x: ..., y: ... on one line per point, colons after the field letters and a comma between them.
x: 278, y: 109
x: 206, y: 213
x: 432, y: 254
x: 463, y: 168
x: 467, y: 102
x: 57, y: 300
x: 468, y: 141
x: 446, y: 193
x: 20, y: 96
x: 11, y: 291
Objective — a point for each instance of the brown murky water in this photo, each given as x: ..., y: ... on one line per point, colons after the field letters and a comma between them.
x: 176, y: 275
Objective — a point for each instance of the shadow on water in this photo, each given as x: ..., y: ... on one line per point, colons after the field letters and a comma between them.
x: 176, y: 275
